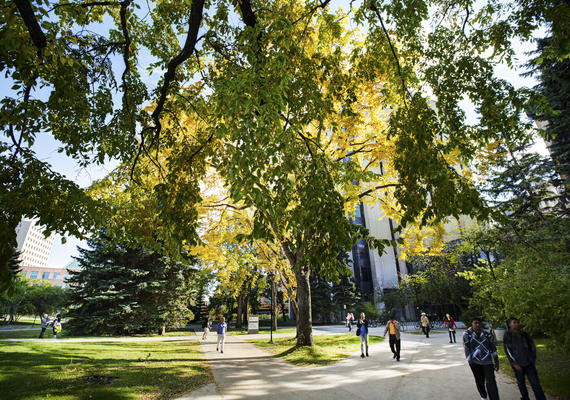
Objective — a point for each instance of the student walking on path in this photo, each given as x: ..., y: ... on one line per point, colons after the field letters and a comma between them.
x: 56, y: 325
x: 393, y: 328
x: 425, y: 324
x: 44, y: 325
x: 521, y: 352
x: 206, y: 326
x: 349, y: 321
x: 362, y: 331
x: 481, y: 353
x: 451, y: 326
x: 222, y: 329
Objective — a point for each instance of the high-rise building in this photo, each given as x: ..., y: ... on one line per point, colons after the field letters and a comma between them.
x: 33, y: 246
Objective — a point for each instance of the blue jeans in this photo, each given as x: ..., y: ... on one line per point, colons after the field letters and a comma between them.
x: 530, y: 372
x: 363, y: 341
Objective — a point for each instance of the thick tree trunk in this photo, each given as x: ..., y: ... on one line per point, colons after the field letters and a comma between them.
x: 304, y: 317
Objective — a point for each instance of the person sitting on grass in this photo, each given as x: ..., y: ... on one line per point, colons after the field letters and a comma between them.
x: 521, y: 352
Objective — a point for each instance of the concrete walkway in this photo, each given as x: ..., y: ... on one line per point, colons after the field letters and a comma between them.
x: 429, y: 369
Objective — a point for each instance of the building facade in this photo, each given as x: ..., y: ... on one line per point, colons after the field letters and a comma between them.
x: 33, y: 246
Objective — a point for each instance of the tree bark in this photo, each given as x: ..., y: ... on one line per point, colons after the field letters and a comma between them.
x: 304, y: 316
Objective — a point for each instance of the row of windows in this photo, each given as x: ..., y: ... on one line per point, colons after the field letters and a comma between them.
x: 45, y: 275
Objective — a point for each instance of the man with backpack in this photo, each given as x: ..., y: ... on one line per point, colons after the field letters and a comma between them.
x: 521, y: 352
x: 481, y: 354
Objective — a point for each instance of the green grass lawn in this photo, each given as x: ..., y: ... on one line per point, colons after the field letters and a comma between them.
x: 328, y: 349
x: 262, y: 330
x: 35, y: 333
x: 65, y: 371
x: 552, y: 365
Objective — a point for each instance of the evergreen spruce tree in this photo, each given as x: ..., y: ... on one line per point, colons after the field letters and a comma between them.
x: 346, y: 294
x: 554, y: 84
x: 123, y: 290
x: 321, y: 298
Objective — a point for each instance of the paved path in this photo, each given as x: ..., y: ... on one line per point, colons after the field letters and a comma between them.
x: 429, y: 369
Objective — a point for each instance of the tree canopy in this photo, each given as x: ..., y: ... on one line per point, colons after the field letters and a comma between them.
x: 302, y: 110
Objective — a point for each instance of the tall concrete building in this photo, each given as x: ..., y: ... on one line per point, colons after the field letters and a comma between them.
x: 375, y: 272
x: 33, y: 246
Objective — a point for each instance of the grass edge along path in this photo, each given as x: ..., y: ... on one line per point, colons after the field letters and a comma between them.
x: 553, y: 368
x: 328, y: 349
x: 134, y: 370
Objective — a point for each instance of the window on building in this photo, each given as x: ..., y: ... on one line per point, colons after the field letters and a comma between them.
x: 34, y: 275
x: 45, y: 275
x: 56, y: 275
x: 23, y: 273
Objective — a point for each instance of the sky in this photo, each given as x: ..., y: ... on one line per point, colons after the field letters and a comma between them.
x: 46, y: 146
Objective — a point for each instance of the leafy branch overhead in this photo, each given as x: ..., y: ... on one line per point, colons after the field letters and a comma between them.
x: 299, y: 111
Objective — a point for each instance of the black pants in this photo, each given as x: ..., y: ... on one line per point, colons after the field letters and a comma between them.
x: 452, y: 333
x: 43, y: 331
x: 530, y: 372
x: 425, y: 330
x: 395, y: 346
x: 485, y: 377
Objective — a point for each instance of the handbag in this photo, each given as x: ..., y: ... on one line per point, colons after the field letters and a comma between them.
x: 358, y: 331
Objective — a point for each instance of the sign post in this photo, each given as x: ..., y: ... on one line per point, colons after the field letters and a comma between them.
x: 253, y: 324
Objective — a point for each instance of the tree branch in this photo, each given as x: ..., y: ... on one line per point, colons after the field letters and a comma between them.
x: 194, y: 22
x: 34, y: 29
x: 404, y: 87
x: 366, y: 193
x: 465, y: 22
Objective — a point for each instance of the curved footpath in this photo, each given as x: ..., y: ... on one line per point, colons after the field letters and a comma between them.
x: 429, y: 369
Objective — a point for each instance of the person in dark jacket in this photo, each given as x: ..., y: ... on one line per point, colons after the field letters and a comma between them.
x: 362, y: 330
x: 481, y: 353
x: 521, y: 352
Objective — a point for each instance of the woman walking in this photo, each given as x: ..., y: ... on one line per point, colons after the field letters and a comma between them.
x: 424, y: 320
x: 349, y: 321
x: 56, y: 325
x: 206, y: 325
x: 451, y: 327
x: 362, y: 331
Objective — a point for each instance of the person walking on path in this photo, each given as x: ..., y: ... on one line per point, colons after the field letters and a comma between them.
x: 349, y: 319
x: 425, y: 324
x: 521, y: 352
x: 362, y: 331
x: 56, y: 325
x: 481, y: 353
x: 222, y: 329
x: 44, y: 325
x: 393, y: 328
x: 451, y: 326
x: 206, y: 326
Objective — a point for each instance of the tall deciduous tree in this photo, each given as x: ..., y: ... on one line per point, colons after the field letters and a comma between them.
x: 294, y: 109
